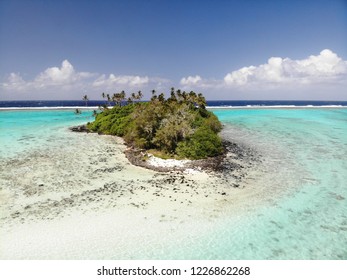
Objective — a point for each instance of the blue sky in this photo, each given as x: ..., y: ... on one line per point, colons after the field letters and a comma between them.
x: 246, y: 49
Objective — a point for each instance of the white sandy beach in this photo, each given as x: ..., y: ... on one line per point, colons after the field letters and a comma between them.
x: 84, y: 200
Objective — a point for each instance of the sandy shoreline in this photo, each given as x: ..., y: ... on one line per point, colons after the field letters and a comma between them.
x: 86, y: 201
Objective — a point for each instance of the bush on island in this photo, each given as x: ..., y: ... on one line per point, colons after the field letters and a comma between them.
x: 179, y: 126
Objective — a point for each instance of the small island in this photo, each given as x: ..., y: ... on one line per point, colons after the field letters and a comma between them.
x: 179, y: 127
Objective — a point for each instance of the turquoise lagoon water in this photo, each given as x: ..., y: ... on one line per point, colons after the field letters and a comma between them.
x: 22, y: 131
x: 310, y: 151
x: 304, y: 154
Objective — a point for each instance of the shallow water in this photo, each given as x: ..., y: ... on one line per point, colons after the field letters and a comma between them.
x: 22, y: 131
x: 302, y: 213
x: 310, y: 220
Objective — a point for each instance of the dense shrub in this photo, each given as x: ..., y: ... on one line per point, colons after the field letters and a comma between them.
x: 203, y: 143
x: 179, y: 125
x: 113, y: 121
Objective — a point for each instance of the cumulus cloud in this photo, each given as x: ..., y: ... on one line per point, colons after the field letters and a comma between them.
x: 321, y: 76
x: 325, y: 67
x: 190, y: 80
x: 62, y: 77
x: 54, y: 75
x: 14, y: 81
x: 326, y: 72
x: 66, y: 78
x: 122, y: 80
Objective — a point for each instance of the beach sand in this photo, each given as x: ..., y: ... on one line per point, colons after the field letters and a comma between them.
x: 85, y: 200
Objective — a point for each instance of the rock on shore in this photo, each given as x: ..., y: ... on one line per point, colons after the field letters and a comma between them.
x: 80, y: 128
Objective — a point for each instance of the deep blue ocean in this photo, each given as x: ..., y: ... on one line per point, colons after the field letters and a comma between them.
x: 212, y: 103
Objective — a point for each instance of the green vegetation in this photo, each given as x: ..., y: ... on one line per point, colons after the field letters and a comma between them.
x: 179, y: 126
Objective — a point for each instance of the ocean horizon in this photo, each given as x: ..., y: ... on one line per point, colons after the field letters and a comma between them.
x: 21, y: 104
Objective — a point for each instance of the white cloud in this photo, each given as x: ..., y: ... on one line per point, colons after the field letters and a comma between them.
x: 325, y: 67
x: 190, y: 80
x: 63, y: 77
x: 57, y: 76
x: 325, y: 72
x: 322, y: 76
x: 66, y: 78
x: 14, y: 81
x: 123, y: 80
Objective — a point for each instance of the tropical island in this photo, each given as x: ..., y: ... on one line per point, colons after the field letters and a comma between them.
x: 179, y: 127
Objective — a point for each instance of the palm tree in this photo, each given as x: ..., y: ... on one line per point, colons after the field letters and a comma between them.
x: 184, y: 95
x: 154, y: 96
x: 103, y: 95
x: 139, y: 95
x: 179, y: 96
x: 122, y: 97
x: 117, y: 98
x: 191, y: 98
x: 85, y: 99
x: 108, y: 99
x: 201, y: 101
x: 161, y: 98
x: 133, y: 96
x: 173, y: 97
